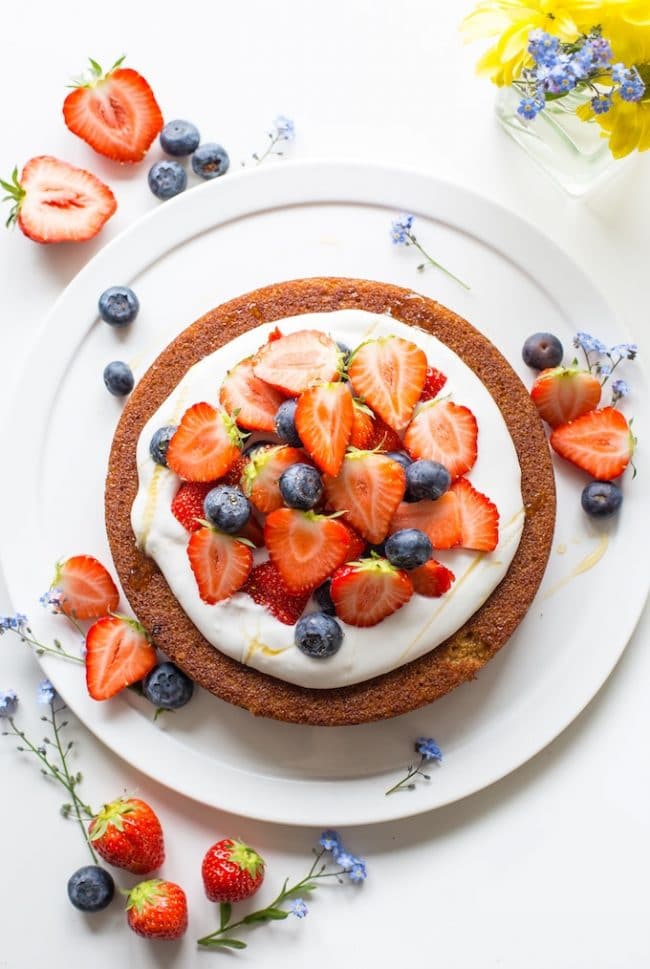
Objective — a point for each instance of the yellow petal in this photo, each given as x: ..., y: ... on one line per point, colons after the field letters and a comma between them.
x: 625, y: 132
x: 514, y: 42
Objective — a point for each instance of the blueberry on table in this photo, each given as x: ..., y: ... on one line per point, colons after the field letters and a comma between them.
x: 179, y: 138
x: 324, y: 599
x: 227, y: 508
x: 285, y: 423
x: 426, y: 479
x: 210, y: 160
x: 118, y: 306
x: 166, y: 179
x: 118, y: 378
x: 408, y: 548
x: 318, y: 635
x: 160, y: 442
x: 91, y: 888
x: 301, y: 486
x: 601, y: 498
x: 167, y: 687
x: 542, y: 350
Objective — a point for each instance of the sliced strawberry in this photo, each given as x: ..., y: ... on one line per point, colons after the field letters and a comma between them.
x: 432, y: 579
x: 444, y: 432
x: 248, y: 399
x: 206, y: 444
x: 187, y: 505
x: 434, y: 381
x: 600, y: 443
x: 87, y: 590
x: 564, y: 393
x: 479, y: 517
x: 266, y: 586
x: 262, y: 473
x: 305, y: 547
x: 118, y: 653
x: 357, y: 545
x: 235, y: 471
x: 368, y: 488
x: 324, y: 418
x: 389, y: 374
x: 253, y: 532
x: 440, y: 519
x: 220, y: 563
x: 297, y: 361
x: 115, y: 113
x: 384, y: 438
x: 366, y: 592
x: 275, y: 334
x: 362, y: 427
x: 56, y: 202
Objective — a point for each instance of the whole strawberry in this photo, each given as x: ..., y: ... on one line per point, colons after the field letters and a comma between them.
x: 231, y: 871
x: 128, y: 834
x: 157, y: 909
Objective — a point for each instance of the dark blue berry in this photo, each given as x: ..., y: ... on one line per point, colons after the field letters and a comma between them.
x: 167, y: 687
x: 601, y: 498
x: 301, y: 486
x: 345, y: 351
x: 426, y: 479
x: 118, y: 305
x: 408, y: 548
x: 285, y: 423
x: 166, y: 179
x: 379, y: 549
x: 324, y: 599
x: 91, y: 888
x: 542, y: 350
x: 255, y: 445
x: 160, y: 442
x: 227, y: 508
x: 118, y: 378
x: 210, y: 160
x: 318, y: 635
x: 401, y: 457
x: 179, y: 138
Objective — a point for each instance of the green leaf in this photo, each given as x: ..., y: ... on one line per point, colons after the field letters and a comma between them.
x: 226, y: 943
x: 266, y: 915
x: 96, y: 68
x: 224, y: 912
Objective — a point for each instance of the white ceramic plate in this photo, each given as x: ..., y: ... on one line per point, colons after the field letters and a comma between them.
x: 223, y: 239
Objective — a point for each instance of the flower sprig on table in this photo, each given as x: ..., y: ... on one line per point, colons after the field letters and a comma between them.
x: 282, y: 132
x: 429, y: 752
x: 603, y: 361
x: 401, y: 233
x: 19, y: 625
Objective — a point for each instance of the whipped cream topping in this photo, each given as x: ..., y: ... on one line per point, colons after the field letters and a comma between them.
x: 247, y: 631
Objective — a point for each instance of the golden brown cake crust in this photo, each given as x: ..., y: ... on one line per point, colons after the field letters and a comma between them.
x: 425, y: 679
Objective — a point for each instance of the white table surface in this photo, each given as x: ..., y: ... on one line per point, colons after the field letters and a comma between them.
x: 549, y: 866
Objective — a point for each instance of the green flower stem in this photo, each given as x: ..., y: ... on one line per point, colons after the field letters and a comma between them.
x: 53, y: 651
x: 433, y: 262
x: 411, y: 772
x: 70, y: 783
x: 273, y: 140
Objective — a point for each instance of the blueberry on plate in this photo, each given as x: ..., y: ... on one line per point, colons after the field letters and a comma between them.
x: 285, y: 423
x: 91, y: 888
x: 542, y: 350
x: 426, y: 479
x: 324, y: 599
x: 160, y: 442
x: 401, y: 457
x: 408, y: 548
x: 227, y: 508
x: 301, y: 486
x: 166, y: 179
x: 179, y: 137
x: 601, y: 498
x: 318, y: 635
x: 118, y: 305
x: 255, y: 445
x: 167, y: 687
x: 118, y: 378
x: 210, y: 160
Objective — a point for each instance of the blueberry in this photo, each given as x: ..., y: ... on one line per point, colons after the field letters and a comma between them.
x: 179, y: 138
x: 160, y: 442
x: 324, y: 599
x: 542, y: 350
x: 251, y: 448
x: 210, y: 160
x: 118, y: 378
x: 118, y: 305
x: 301, y: 486
x: 227, y: 508
x: 167, y: 687
x: 318, y: 635
x: 379, y: 550
x: 408, y: 548
x: 166, y: 179
x: 426, y: 479
x: 91, y: 888
x: 345, y: 351
x: 285, y: 423
x: 601, y: 498
x: 401, y: 457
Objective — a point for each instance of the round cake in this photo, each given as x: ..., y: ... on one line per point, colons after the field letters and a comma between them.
x: 238, y: 648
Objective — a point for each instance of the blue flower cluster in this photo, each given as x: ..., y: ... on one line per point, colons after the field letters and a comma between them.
x: 353, y: 867
x: 606, y: 360
x: 45, y: 693
x: 428, y: 748
x: 8, y: 703
x: 284, y: 128
x: 299, y: 908
x: 51, y: 600
x: 400, y: 229
x: 17, y: 623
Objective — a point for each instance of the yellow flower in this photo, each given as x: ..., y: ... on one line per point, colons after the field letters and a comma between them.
x: 632, y: 12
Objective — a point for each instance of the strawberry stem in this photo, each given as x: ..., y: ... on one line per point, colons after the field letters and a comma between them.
x: 15, y: 193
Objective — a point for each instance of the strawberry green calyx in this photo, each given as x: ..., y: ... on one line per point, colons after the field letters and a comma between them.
x: 314, y: 516
x: 111, y: 814
x: 230, y: 423
x: 95, y: 73
x: 15, y: 193
x: 246, y: 858
x: 360, y: 404
x: 375, y: 563
x: 236, y: 538
x: 256, y: 463
x: 133, y: 623
x: 145, y: 893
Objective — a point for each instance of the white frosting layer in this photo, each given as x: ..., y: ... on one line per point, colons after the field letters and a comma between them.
x: 245, y: 630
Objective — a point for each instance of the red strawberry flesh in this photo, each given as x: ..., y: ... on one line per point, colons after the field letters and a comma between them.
x: 87, y: 589
x: 305, y: 547
x: 118, y: 653
x: 366, y: 592
x: 563, y: 393
x: 600, y: 443
x: 444, y: 432
x: 297, y: 361
x: 389, y: 374
x: 266, y: 586
x: 324, y: 419
x: 252, y: 402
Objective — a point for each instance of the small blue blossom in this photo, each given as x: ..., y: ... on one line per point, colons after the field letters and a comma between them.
x: 400, y: 229
x: 601, y: 51
x: 45, y: 693
x: 8, y: 703
x: 601, y: 103
x: 428, y: 748
x: 588, y: 343
x: 604, y: 369
x: 330, y: 840
x: 284, y: 128
x: 17, y: 623
x: 529, y: 108
x: 619, y: 73
x: 632, y: 87
x: 620, y: 388
x: 298, y: 908
x: 344, y: 859
x: 561, y: 78
x: 357, y: 872
x: 628, y: 350
x: 582, y: 62
x: 543, y: 47
x: 51, y: 600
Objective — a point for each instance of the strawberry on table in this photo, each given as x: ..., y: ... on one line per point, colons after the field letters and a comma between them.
x: 127, y: 833
x: 187, y: 505
x: 389, y: 373
x: 262, y: 473
x: 266, y: 586
x: 564, y: 393
x: 87, y: 589
x: 56, y: 202
x: 221, y: 563
x: 432, y: 579
x: 232, y: 871
x: 479, y: 517
x: 296, y: 361
x: 248, y: 399
x: 368, y: 489
x: 206, y: 444
x: 115, y: 113
x: 305, y: 547
x: 366, y: 592
x: 362, y: 427
x: 157, y: 909
x: 444, y: 432
x: 434, y: 381
x: 324, y: 419
x: 439, y: 520
x: 600, y: 442
x: 118, y: 653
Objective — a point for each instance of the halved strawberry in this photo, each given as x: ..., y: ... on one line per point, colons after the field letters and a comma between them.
x: 600, y: 443
x: 262, y: 473
x: 305, y: 547
x: 220, y: 563
x: 389, y: 374
x: 362, y: 427
x: 266, y: 586
x: 432, y: 579
x: 298, y: 360
x: 56, y: 202
x: 235, y: 471
x: 206, y: 444
x: 248, y: 399
x: 564, y: 393
x: 439, y: 519
x: 368, y: 488
x: 115, y: 113
x: 87, y: 590
x: 383, y: 437
x: 357, y: 545
x: 275, y: 334
x: 434, y: 381
x: 118, y: 653
x: 253, y: 532
x: 324, y: 418
x: 187, y: 504
x: 366, y: 592
x: 479, y: 517
x: 444, y: 432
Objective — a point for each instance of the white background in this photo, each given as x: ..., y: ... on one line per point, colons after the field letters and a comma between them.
x: 547, y: 867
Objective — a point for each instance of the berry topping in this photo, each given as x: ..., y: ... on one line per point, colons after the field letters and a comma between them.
x: 434, y: 381
x: 160, y: 442
x: 601, y: 498
x: 324, y: 418
x: 542, y: 350
x: 368, y: 490
x: 401, y: 457
x: 439, y: 520
x: 206, y: 444
x: 357, y: 547
x: 318, y: 635
x: 601, y: 443
x: 363, y: 427
x: 479, y: 517
x: 187, y: 506
x: 231, y: 871
x: 384, y: 438
x: 324, y: 599
x: 87, y: 589
x: 251, y: 402
x: 157, y: 909
x: 127, y: 834
x: 167, y: 179
x: 426, y: 479
x: 305, y: 547
x: 285, y: 423
x: 297, y: 361
x: 408, y: 548
x: 301, y: 486
x: 266, y: 586
x: 389, y: 374
x: 179, y: 138
x: 564, y: 393
x: 220, y: 563
x: 118, y: 653
x: 235, y: 471
x: 366, y: 592
x: 167, y: 687
x: 118, y: 306
x: 91, y: 888
x: 118, y: 378
x: 262, y: 473
x: 210, y: 160
x: 432, y: 579
x: 227, y: 508
x: 444, y: 432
